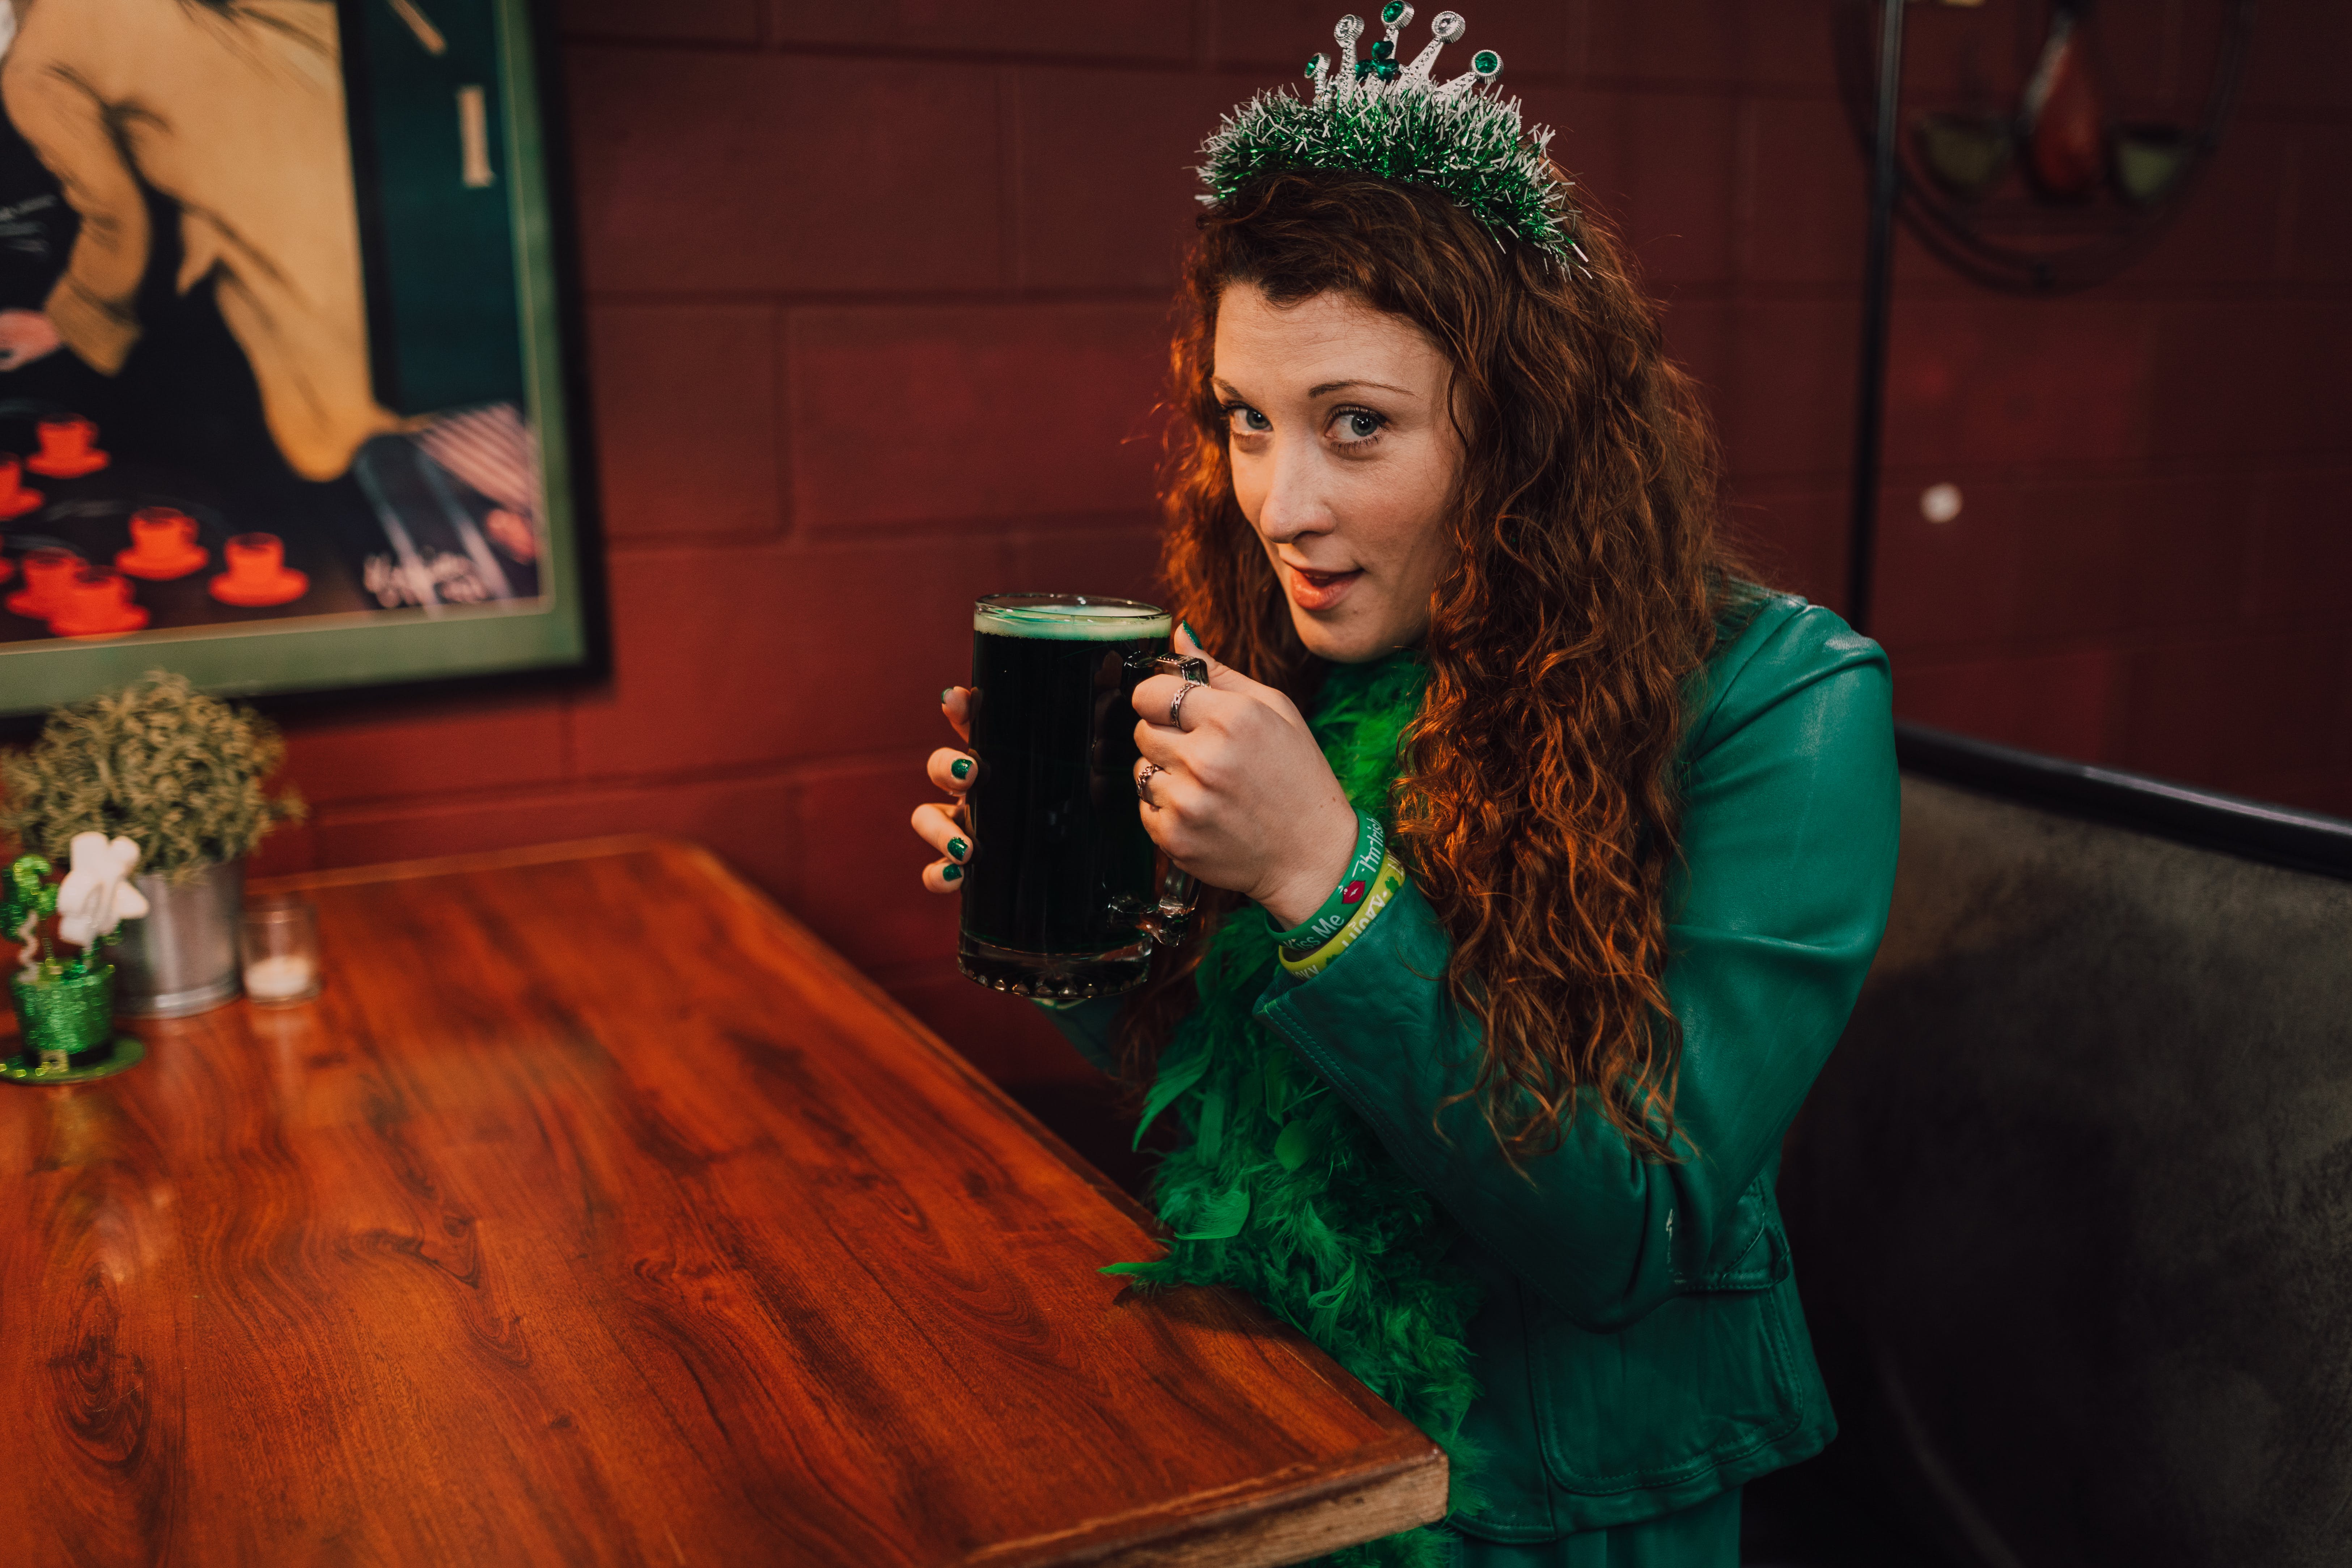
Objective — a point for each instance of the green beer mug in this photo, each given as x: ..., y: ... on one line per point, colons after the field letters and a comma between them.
x: 1065, y: 895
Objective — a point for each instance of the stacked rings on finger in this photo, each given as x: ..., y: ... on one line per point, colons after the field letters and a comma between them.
x: 1176, y: 704
x: 1143, y: 783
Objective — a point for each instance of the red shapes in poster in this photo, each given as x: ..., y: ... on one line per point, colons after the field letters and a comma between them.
x: 69, y: 448
x: 15, y: 500
x: 258, y: 575
x: 98, y: 604
x: 162, y: 546
x: 49, y: 574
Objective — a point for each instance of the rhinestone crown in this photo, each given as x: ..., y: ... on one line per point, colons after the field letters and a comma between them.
x: 1376, y: 116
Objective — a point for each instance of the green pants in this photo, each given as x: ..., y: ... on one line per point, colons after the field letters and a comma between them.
x: 1705, y: 1536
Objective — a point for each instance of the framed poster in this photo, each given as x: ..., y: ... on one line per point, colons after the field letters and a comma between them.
x: 283, y: 361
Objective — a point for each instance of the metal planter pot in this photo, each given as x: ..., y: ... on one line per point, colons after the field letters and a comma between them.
x: 181, y: 958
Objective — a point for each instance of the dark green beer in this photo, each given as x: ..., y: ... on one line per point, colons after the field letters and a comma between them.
x: 1059, y: 890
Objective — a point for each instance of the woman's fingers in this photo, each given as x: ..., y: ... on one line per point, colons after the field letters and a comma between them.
x: 1162, y: 746
x: 1171, y: 813
x: 1152, y: 783
x: 941, y: 827
x: 1224, y: 677
x: 938, y: 825
x: 1155, y: 702
x: 1189, y: 645
x: 956, y: 703
x: 951, y: 770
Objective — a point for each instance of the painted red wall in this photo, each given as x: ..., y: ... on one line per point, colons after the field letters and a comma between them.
x: 877, y: 299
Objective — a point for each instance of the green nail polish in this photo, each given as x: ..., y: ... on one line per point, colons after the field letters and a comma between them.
x: 1190, y: 632
x: 947, y: 695
x: 961, y: 768
x: 958, y: 848
x: 950, y: 873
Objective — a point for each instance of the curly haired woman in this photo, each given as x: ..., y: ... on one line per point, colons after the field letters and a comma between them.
x: 1553, y: 855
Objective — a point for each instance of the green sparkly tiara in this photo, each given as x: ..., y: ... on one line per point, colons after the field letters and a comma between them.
x: 1378, y: 116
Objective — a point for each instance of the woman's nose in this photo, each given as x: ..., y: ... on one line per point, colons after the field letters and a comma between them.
x: 1294, y: 503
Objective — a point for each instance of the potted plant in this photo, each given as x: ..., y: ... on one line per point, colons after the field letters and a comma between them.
x: 182, y: 773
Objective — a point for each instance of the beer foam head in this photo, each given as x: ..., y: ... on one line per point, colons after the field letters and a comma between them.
x: 1069, y: 617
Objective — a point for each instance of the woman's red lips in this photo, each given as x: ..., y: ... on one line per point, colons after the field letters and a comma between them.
x: 1320, y: 590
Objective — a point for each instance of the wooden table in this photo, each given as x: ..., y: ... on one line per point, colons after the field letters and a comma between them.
x: 597, y: 1213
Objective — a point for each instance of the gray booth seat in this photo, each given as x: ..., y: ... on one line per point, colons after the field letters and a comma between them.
x: 2072, y: 1204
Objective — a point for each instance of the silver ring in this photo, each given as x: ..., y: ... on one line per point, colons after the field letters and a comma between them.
x: 1176, y: 703
x: 1142, y: 783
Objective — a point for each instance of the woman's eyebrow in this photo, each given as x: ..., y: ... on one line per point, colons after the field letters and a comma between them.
x: 1332, y: 386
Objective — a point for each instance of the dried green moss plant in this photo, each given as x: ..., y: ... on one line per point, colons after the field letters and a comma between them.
x: 158, y: 761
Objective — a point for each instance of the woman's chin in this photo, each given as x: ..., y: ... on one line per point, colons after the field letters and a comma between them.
x: 1349, y: 638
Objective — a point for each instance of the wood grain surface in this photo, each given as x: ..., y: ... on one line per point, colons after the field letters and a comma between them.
x: 597, y: 1213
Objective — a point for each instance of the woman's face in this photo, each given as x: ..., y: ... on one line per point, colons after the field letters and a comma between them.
x: 1343, y: 457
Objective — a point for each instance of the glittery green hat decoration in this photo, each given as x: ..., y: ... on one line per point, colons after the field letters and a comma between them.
x: 1379, y: 117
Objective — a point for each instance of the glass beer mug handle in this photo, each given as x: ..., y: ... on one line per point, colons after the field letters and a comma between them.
x: 1163, y: 924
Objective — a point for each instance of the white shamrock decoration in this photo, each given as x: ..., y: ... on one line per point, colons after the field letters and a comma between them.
x: 97, y: 895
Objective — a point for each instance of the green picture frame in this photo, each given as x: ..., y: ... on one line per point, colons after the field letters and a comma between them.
x: 468, y: 328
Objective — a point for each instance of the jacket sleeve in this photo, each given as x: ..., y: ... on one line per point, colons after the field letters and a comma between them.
x: 74, y: 135
x: 1791, y: 811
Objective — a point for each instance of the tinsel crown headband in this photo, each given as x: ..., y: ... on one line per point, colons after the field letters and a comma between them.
x: 1378, y: 116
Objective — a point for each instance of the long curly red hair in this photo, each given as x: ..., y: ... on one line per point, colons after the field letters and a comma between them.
x: 1535, y: 808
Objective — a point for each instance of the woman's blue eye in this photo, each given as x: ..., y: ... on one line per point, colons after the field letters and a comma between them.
x: 1359, y: 425
x: 1249, y: 419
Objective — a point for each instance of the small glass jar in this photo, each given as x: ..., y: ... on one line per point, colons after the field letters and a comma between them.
x: 280, y: 948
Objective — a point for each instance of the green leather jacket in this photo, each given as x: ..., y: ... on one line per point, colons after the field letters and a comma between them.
x: 1641, y: 1347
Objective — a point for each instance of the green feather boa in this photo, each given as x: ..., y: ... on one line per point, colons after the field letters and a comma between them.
x: 1279, y: 1189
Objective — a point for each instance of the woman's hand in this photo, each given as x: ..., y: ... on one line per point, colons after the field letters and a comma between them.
x: 942, y: 826
x: 1240, y: 795
x: 25, y: 336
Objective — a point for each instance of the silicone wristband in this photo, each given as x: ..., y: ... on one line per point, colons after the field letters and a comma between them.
x: 1385, y: 883
x: 1371, y: 847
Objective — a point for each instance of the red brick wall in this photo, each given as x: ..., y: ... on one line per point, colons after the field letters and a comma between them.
x: 877, y: 294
